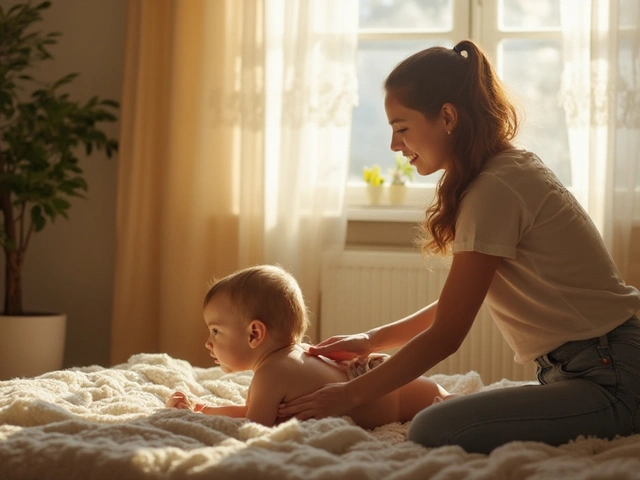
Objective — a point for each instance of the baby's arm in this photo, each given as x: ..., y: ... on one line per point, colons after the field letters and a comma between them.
x: 181, y: 401
x: 235, y: 411
x: 268, y: 389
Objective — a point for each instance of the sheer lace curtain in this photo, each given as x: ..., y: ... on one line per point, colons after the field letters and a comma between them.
x: 311, y: 90
x: 234, y: 147
x: 601, y: 97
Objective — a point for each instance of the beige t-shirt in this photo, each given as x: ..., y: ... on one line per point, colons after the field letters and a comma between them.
x: 557, y: 281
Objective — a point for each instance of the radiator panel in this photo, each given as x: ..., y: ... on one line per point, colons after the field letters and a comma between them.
x: 364, y: 289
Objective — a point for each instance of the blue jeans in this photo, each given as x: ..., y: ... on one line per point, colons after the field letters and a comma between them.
x: 588, y: 387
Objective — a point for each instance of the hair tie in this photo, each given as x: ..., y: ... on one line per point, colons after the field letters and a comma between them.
x: 463, y: 53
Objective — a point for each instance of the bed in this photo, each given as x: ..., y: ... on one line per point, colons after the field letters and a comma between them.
x: 110, y: 423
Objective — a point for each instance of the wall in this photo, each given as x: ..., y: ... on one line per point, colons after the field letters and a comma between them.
x: 382, y: 234
x: 70, y: 264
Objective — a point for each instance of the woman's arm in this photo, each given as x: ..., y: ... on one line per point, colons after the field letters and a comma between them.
x: 464, y: 291
x: 348, y: 347
x: 401, y: 331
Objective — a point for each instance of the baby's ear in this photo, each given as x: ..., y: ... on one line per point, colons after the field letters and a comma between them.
x: 257, y: 333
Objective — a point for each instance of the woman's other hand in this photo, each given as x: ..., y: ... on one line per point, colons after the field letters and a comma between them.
x: 329, y: 401
x: 343, y: 347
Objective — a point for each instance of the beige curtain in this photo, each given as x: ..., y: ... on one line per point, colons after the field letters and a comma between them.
x: 185, y: 212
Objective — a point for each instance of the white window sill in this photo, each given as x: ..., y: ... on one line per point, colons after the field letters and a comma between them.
x: 411, y: 211
x: 385, y: 213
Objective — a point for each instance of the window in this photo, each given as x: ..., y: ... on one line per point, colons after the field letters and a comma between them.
x: 523, y: 39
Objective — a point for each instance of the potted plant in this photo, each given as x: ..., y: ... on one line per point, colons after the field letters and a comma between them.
x: 43, y: 134
x: 402, y: 173
x: 374, y: 181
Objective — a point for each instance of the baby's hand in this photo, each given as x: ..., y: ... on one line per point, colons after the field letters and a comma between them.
x: 181, y: 401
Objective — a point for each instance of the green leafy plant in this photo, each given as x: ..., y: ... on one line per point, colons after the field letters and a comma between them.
x: 42, y: 134
x: 403, y: 170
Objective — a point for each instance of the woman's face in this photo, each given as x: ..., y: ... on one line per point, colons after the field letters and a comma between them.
x: 425, y: 142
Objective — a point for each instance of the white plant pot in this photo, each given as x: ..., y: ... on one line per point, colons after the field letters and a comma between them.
x: 374, y: 194
x: 397, y: 194
x: 31, y: 344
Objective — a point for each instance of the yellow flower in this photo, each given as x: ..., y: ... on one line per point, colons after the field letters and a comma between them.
x: 372, y: 175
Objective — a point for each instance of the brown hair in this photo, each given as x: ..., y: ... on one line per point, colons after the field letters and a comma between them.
x: 267, y: 293
x: 487, y: 123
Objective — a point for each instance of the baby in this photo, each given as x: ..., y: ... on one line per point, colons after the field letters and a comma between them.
x: 256, y: 319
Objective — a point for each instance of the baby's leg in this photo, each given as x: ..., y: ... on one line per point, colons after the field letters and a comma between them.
x: 418, y: 395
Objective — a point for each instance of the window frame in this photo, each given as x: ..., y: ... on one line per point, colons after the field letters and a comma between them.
x: 419, y: 195
x: 478, y: 20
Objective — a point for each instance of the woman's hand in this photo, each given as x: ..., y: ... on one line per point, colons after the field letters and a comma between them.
x: 331, y: 400
x: 343, y: 347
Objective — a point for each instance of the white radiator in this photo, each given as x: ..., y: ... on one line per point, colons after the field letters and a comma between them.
x: 363, y: 289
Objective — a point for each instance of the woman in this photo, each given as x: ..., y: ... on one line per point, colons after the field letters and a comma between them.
x: 522, y: 244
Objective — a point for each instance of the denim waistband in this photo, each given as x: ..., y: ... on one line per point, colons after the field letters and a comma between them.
x: 566, y: 350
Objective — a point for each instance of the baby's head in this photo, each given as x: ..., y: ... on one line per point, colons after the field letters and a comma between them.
x: 267, y: 293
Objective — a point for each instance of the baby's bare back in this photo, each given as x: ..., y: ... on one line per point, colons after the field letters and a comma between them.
x: 305, y: 374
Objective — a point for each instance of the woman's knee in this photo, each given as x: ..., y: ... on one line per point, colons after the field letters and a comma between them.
x: 444, y: 423
x: 430, y: 427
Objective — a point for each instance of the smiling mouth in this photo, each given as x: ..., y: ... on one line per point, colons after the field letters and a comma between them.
x: 412, y: 157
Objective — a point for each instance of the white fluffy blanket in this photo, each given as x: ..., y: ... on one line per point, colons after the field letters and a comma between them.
x: 97, y: 423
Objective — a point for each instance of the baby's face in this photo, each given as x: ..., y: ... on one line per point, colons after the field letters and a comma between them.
x: 228, y: 341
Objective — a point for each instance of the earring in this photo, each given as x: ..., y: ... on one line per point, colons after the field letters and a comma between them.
x: 448, y: 132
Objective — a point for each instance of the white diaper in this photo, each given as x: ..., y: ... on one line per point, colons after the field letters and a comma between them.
x: 360, y: 366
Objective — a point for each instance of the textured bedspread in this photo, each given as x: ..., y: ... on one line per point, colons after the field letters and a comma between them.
x: 97, y: 423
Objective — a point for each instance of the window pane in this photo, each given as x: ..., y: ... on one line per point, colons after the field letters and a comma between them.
x: 370, y: 131
x: 529, y: 14
x: 532, y: 69
x: 629, y: 12
x: 406, y: 14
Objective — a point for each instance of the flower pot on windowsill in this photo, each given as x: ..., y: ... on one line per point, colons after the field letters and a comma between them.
x: 374, y: 194
x: 397, y: 194
x: 31, y: 344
